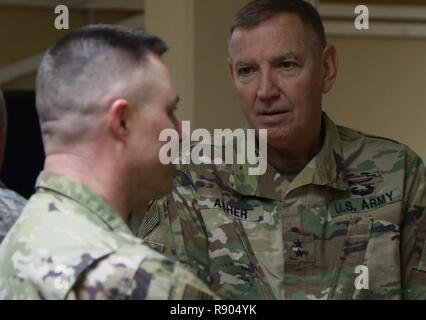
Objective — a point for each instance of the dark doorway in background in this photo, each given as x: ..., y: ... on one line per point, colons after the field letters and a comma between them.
x: 24, y: 148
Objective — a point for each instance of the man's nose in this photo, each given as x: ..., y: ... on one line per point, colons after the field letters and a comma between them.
x: 267, y: 87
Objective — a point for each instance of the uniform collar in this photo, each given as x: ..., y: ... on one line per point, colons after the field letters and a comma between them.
x: 84, y: 196
x: 326, y: 168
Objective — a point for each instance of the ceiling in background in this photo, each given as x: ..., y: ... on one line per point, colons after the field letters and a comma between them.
x: 27, y: 28
x: 389, y: 18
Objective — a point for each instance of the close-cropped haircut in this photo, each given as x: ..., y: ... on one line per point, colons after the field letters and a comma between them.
x: 80, y: 70
x: 258, y: 11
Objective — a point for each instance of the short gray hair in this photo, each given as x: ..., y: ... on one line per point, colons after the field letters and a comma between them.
x: 258, y: 11
x: 79, y: 73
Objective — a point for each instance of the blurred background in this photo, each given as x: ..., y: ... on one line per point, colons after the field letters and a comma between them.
x: 380, y: 89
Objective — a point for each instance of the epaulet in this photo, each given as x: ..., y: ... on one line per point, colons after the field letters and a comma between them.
x: 383, y: 138
x: 351, y: 131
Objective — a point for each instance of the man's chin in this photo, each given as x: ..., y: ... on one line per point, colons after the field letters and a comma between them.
x: 278, y: 135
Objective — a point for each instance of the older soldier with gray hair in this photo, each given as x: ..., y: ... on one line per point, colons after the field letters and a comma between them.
x: 11, y: 203
x: 339, y: 214
x: 103, y: 96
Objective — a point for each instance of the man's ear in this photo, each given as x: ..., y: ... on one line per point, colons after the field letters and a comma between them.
x: 119, y: 115
x: 329, y: 65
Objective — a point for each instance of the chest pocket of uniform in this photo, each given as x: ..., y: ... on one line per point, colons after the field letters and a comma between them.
x: 356, y: 242
x: 351, y: 257
x: 233, y: 275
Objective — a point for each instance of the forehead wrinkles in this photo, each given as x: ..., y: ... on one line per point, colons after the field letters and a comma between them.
x: 272, y: 38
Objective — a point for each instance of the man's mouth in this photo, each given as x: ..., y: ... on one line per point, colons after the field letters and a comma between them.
x: 273, y: 113
x: 273, y: 117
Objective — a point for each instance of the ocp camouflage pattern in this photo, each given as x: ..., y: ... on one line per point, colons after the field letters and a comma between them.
x: 69, y: 243
x: 359, y: 203
x: 11, y: 205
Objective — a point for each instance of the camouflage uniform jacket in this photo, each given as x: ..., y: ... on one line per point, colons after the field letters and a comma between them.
x: 350, y: 225
x: 11, y: 205
x: 68, y: 243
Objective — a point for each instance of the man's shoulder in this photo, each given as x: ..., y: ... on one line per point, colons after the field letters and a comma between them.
x: 374, y: 148
x: 50, y: 211
x: 138, y: 272
x: 52, y: 255
x: 52, y: 222
x: 11, y: 205
x: 122, y: 274
x: 61, y: 272
x: 11, y: 201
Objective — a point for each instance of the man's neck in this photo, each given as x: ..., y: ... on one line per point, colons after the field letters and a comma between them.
x: 293, y: 161
x: 93, y: 174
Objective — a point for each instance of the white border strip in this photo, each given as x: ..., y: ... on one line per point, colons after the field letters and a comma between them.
x: 377, y: 29
x: 391, y: 12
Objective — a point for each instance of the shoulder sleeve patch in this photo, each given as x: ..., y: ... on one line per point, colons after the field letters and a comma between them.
x: 150, y: 221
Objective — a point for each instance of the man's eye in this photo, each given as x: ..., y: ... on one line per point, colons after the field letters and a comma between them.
x: 288, y: 64
x: 244, y: 71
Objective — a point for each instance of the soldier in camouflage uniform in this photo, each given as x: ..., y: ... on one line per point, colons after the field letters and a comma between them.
x: 338, y: 214
x: 103, y: 95
x: 11, y: 203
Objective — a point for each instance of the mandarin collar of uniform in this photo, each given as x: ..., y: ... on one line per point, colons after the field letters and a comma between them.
x: 326, y: 168
x: 84, y: 196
